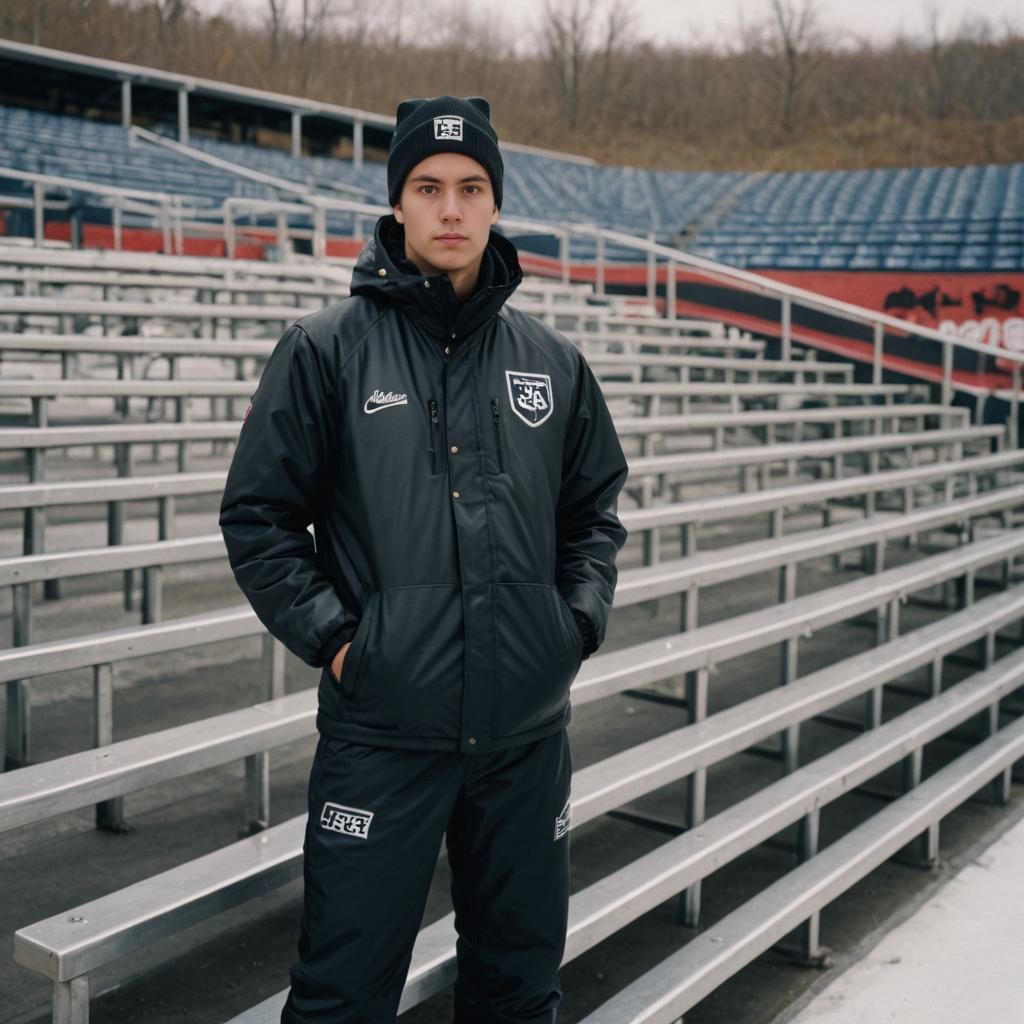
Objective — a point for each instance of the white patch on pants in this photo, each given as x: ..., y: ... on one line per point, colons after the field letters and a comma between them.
x: 562, y: 821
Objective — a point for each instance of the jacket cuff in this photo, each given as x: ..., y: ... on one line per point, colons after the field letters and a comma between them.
x: 589, y: 633
x: 334, y: 643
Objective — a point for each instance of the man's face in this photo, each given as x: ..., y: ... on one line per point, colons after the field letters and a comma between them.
x: 447, y: 207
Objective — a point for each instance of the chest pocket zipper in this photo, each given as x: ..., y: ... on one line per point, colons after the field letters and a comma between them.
x: 432, y: 404
x: 497, y: 434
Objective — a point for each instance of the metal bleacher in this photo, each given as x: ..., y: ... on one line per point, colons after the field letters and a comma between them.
x: 816, y: 653
x: 919, y: 498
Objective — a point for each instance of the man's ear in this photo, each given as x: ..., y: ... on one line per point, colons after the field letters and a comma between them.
x: 397, y: 211
x: 496, y: 214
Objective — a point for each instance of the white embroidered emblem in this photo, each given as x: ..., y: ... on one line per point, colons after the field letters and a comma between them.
x: 384, y: 400
x: 349, y: 821
x: 530, y: 396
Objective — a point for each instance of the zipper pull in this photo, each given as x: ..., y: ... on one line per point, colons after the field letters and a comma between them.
x: 433, y: 435
x: 497, y: 434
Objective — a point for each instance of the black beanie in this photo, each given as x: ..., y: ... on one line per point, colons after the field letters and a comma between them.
x: 444, y: 124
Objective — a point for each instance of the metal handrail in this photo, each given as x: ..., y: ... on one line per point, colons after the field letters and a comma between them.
x: 790, y: 295
x: 168, y: 209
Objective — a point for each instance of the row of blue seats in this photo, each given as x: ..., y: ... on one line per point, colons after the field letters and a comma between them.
x: 954, y: 214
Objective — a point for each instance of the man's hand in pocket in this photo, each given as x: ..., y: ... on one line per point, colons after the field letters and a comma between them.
x: 338, y: 660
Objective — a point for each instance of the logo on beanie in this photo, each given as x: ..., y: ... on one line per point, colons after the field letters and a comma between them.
x: 449, y: 127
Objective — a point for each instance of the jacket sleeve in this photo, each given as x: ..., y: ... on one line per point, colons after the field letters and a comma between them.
x: 589, y: 533
x: 276, y: 486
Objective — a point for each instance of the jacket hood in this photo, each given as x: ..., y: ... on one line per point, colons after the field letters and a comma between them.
x: 382, y: 270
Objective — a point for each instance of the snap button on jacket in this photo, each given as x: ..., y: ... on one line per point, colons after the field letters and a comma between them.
x: 460, y: 471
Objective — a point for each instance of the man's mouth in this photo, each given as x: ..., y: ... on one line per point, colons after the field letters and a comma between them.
x: 451, y: 239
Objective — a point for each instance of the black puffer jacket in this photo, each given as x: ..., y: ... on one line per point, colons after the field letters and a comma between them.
x: 461, y: 473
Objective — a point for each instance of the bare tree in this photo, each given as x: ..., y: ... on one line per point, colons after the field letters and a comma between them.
x: 792, y: 44
x: 939, y: 80
x: 277, y: 14
x: 578, y: 50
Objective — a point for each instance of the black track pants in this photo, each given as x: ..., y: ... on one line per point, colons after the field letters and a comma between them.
x: 376, y: 820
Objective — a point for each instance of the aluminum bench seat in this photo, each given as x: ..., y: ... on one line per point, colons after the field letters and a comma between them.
x: 760, y: 390
x: 31, y: 281
x: 133, y: 309
x: 680, y: 340
x: 134, y: 344
x: 108, y: 388
x: 894, y: 414
x: 113, y: 261
x: 810, y: 368
x: 756, y: 455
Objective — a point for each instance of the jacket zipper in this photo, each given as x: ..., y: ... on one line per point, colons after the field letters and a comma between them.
x: 433, y: 435
x: 497, y: 433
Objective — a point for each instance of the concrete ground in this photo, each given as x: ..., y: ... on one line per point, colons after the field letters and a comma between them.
x: 216, y: 969
x: 955, y: 958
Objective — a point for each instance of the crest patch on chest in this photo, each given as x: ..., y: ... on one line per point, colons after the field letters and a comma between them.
x: 530, y: 395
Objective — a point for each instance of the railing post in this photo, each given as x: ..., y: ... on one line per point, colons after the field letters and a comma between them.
x: 652, y: 272
x: 109, y: 813
x: 670, y: 290
x: 229, y: 232
x: 38, y: 216
x: 787, y: 325
x: 256, y: 812
x: 282, y: 234
x: 183, y: 116
x: 165, y: 224
x: 71, y: 1001
x: 116, y: 223
x: 876, y: 362
x: 357, y: 144
x: 319, y: 232
x: 947, y: 372
x: 563, y: 255
x: 1013, y: 426
x: 689, y: 900
x: 599, y: 265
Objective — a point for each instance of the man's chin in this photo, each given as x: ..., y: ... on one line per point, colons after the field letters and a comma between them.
x: 452, y: 262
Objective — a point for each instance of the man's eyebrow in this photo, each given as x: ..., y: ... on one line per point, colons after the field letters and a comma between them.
x: 437, y: 181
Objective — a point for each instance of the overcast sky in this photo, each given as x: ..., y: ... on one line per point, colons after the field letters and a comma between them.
x: 691, y: 20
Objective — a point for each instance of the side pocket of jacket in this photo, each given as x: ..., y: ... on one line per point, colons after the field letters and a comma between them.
x: 353, y: 660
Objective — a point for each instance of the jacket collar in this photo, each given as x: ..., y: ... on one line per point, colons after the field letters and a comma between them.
x: 383, y: 271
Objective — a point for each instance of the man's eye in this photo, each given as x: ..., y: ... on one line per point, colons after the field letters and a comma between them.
x: 476, y: 188
x: 423, y: 188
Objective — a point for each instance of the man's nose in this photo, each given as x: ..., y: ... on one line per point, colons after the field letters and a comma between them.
x: 450, y: 208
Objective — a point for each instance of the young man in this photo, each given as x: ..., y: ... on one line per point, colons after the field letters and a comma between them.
x: 461, y: 472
